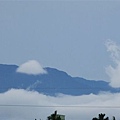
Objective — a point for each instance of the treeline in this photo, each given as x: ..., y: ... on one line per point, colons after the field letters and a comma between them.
x: 56, y: 116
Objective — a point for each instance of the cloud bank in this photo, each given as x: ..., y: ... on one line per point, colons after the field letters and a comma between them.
x: 31, y: 67
x: 114, y: 71
x: 83, y: 106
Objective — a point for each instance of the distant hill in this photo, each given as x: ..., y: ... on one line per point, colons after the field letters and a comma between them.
x: 53, y: 82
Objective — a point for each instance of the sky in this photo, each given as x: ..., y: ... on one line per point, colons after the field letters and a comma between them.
x: 79, y: 37
x: 67, y: 35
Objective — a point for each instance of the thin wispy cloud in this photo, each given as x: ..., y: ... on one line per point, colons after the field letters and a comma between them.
x: 31, y: 67
x: 114, y: 49
x: 114, y: 71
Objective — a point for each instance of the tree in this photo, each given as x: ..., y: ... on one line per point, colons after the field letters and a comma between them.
x: 101, y: 117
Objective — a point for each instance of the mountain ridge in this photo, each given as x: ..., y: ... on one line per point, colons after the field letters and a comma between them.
x: 52, y: 83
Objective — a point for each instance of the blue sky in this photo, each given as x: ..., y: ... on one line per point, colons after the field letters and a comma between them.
x: 66, y: 35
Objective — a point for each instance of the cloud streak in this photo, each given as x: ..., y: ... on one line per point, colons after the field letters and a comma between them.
x: 50, y: 104
x: 31, y: 67
x: 114, y: 71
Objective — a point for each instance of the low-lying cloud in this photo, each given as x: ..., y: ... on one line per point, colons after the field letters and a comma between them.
x: 114, y: 71
x: 40, y: 106
x: 31, y: 67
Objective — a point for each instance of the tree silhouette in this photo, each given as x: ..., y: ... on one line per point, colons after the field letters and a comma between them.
x: 54, y: 116
x: 101, y: 117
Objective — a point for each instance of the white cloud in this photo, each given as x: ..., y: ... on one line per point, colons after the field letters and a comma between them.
x: 114, y: 72
x: 22, y: 97
x: 114, y: 49
x: 31, y: 67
